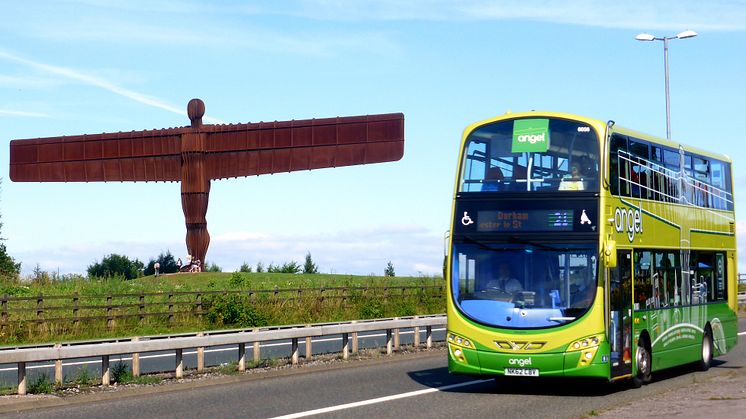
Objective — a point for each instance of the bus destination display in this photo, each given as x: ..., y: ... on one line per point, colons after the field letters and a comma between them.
x: 525, y: 220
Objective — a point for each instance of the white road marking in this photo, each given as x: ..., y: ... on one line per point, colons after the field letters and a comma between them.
x: 378, y: 400
x: 741, y: 333
x: 171, y: 355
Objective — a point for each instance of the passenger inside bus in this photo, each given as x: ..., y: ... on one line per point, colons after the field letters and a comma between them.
x: 572, y: 181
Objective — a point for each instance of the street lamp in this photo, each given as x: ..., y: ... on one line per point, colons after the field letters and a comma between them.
x: 665, y: 39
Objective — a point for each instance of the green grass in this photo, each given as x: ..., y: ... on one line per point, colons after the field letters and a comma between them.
x: 207, y: 281
x: 219, y: 311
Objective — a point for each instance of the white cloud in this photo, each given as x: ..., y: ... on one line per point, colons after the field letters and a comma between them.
x: 90, y: 80
x: 22, y: 114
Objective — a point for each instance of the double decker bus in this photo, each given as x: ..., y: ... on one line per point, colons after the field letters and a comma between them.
x: 579, y: 248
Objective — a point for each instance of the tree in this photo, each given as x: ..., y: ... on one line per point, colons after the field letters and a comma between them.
x: 116, y: 265
x: 212, y: 267
x: 9, y: 269
x: 245, y: 268
x: 167, y: 261
x: 260, y: 267
x: 309, y: 267
x: 389, y: 271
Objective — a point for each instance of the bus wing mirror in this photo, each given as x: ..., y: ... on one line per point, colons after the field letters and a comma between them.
x: 610, y: 253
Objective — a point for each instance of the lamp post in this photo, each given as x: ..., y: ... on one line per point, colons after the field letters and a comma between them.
x: 665, y: 39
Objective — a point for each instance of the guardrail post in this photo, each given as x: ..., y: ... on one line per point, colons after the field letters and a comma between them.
x: 309, y: 348
x: 257, y: 351
x: 429, y: 334
x: 105, y: 371
x: 135, y: 360
x: 109, y: 312
x: 200, y: 355
x: 294, y: 351
x: 417, y: 334
x: 388, y: 341
x: 396, y: 336
x: 179, y: 363
x: 345, y: 346
x: 21, y: 378
x: 241, y: 357
x: 57, y: 367
x: 354, y: 340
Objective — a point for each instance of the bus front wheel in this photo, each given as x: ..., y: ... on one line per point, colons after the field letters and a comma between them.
x: 644, y: 364
x: 706, y: 358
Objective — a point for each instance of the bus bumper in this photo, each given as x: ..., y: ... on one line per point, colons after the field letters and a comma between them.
x: 481, y: 363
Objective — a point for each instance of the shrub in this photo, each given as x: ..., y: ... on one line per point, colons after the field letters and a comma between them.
x: 42, y: 385
x: 291, y: 267
x: 116, y: 265
x: 234, y: 310
x: 389, y: 271
x: 245, y: 268
x: 237, y: 280
x: 120, y: 373
x: 372, y: 309
x: 309, y: 267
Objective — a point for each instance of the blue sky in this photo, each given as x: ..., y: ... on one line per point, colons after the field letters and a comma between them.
x: 90, y: 66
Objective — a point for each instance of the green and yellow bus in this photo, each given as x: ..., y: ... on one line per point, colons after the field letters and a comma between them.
x: 579, y: 248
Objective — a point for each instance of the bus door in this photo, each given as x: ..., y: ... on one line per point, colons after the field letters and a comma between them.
x: 620, y: 316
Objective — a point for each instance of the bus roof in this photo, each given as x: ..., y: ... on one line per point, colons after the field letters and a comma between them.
x: 599, y: 125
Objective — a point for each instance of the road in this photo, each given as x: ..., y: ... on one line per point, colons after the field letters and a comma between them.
x: 413, y: 385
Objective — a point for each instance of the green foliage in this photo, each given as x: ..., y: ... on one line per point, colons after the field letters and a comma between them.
x: 237, y: 280
x: 212, y: 267
x: 389, y: 271
x: 259, y: 267
x: 167, y: 261
x: 372, y: 309
x: 42, y: 385
x: 309, y: 267
x: 114, y: 265
x: 84, y: 377
x: 291, y: 267
x: 9, y: 269
x: 245, y: 268
x: 234, y: 310
x: 120, y: 373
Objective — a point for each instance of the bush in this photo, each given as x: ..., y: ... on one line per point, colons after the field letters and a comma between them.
x: 309, y: 267
x: 212, y: 267
x: 42, y: 385
x: 389, y: 271
x: 237, y: 280
x: 116, y: 265
x: 372, y: 309
x: 167, y: 261
x: 234, y: 310
x: 120, y: 373
x: 291, y: 267
x: 245, y: 268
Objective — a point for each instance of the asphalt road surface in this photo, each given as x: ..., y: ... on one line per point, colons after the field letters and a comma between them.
x: 412, y: 385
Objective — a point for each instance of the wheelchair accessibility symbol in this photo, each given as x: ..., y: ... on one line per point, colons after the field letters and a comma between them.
x: 466, y: 220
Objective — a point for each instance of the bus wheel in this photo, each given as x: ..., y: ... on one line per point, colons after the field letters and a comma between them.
x: 644, y: 364
x: 706, y: 358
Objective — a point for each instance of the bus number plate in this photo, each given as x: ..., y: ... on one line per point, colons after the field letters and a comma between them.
x: 522, y: 372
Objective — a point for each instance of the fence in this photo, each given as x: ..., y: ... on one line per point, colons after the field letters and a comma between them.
x: 177, y: 343
x: 74, y: 309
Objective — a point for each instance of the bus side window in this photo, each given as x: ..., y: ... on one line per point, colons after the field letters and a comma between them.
x: 643, y: 281
x: 618, y: 166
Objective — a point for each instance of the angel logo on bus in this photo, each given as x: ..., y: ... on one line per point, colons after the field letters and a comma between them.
x: 628, y: 220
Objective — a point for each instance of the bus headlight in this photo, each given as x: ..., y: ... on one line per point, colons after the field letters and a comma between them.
x: 585, y: 343
x: 459, y: 340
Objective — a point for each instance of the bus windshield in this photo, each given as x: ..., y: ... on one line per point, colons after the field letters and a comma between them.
x: 531, y: 155
x: 526, y: 286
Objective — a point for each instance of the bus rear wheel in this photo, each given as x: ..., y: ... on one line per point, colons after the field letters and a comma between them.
x: 706, y: 355
x: 644, y: 364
